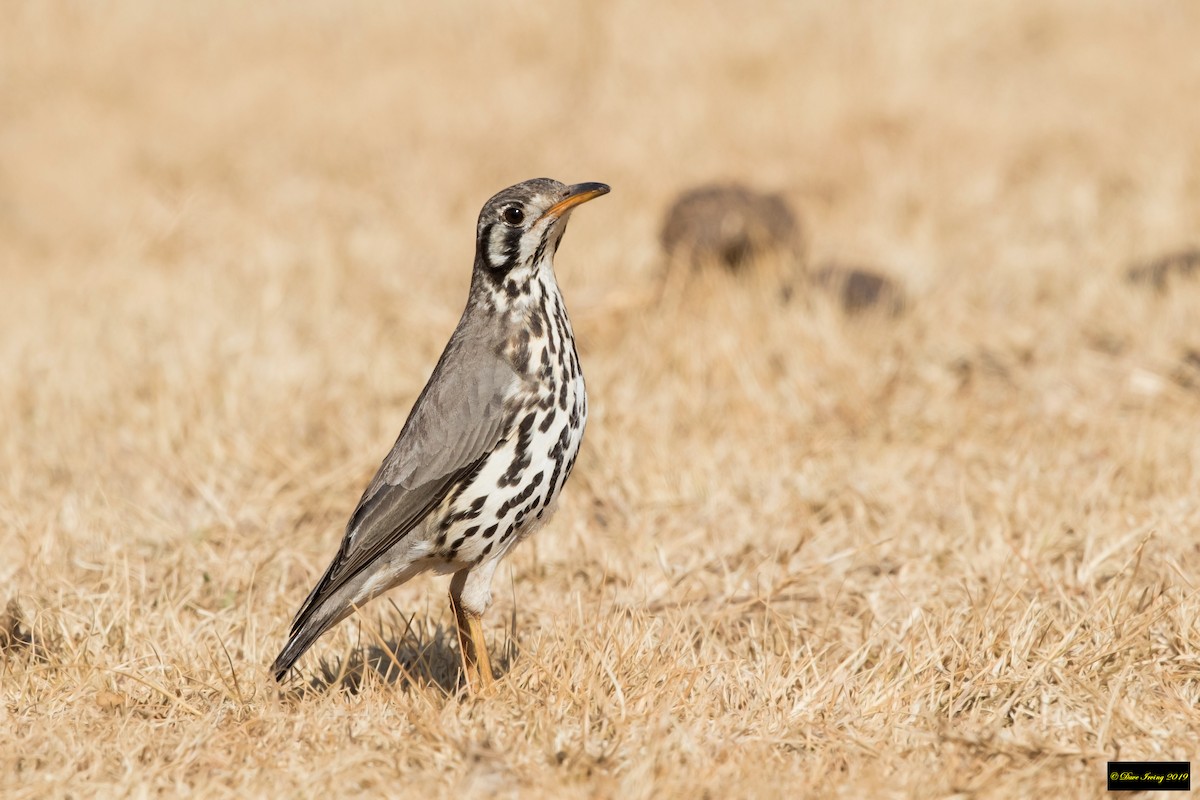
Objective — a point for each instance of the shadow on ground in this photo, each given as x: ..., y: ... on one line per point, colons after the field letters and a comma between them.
x: 404, y: 658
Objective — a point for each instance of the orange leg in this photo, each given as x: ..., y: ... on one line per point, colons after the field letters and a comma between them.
x: 476, y: 662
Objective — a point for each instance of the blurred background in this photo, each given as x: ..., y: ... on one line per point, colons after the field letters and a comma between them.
x: 235, y: 237
x: 918, y: 132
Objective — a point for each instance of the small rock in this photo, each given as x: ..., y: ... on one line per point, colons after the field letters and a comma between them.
x: 732, y: 225
x: 1187, y: 372
x: 1146, y: 383
x: 859, y: 288
x: 1159, y: 272
x: 13, y: 633
x: 110, y: 700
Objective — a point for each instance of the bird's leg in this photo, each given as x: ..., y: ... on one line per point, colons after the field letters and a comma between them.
x: 476, y: 662
x: 478, y: 650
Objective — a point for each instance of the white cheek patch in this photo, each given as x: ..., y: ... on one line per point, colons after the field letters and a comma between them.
x: 498, y: 245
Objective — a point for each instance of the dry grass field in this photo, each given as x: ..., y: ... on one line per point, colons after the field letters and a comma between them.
x: 954, y: 553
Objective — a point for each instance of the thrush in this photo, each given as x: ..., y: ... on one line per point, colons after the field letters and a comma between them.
x: 486, y: 449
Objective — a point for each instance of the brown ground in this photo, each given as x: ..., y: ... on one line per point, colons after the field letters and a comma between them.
x: 955, y: 552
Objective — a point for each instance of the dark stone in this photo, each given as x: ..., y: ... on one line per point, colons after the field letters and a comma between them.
x: 860, y: 289
x: 731, y: 225
x: 1159, y: 272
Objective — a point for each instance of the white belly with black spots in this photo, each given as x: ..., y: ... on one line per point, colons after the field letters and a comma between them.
x: 515, y: 489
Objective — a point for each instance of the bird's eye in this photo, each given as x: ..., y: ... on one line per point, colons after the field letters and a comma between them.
x: 513, y: 216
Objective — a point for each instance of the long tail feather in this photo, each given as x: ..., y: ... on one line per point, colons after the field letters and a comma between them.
x: 307, y: 628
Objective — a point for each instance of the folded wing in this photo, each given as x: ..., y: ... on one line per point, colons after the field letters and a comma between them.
x: 460, y: 417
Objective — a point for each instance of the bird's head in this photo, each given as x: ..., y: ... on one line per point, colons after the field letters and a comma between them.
x: 520, y: 228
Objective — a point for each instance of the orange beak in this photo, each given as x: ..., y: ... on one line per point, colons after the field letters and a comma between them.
x: 579, y: 193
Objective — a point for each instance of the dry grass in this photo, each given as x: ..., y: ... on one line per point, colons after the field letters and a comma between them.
x: 951, y: 553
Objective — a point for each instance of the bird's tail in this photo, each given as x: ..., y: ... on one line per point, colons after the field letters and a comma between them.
x: 297, y: 644
x: 327, y: 604
x: 314, y: 619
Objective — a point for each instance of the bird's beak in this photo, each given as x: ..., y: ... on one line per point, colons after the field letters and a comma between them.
x: 579, y: 193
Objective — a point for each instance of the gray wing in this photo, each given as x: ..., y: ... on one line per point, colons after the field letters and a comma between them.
x: 456, y: 422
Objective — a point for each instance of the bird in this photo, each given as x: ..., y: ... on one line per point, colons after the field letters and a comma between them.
x: 487, y: 447
x: 731, y: 225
